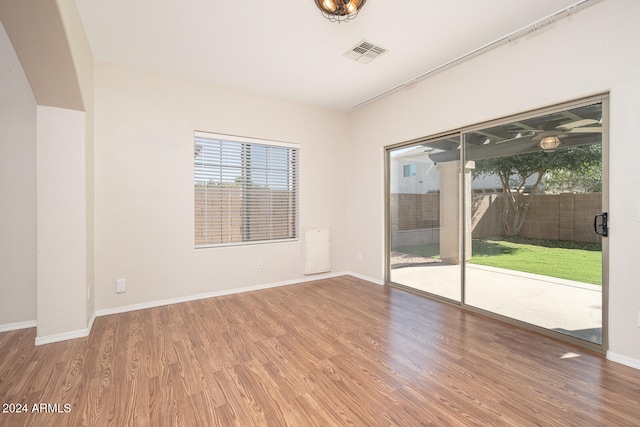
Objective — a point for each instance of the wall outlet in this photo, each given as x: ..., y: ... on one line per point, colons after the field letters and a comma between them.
x: 359, y: 256
x: 638, y: 319
x: 121, y: 286
x: 88, y: 293
x: 260, y: 264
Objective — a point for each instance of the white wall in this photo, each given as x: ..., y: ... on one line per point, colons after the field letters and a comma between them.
x: 17, y: 192
x: 62, y: 257
x: 49, y: 40
x: 590, y: 52
x: 144, y: 124
x: 83, y: 66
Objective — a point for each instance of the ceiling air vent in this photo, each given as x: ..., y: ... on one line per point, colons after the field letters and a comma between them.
x: 364, y: 52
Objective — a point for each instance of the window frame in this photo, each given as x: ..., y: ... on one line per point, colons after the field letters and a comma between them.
x: 291, y: 170
x: 409, y: 170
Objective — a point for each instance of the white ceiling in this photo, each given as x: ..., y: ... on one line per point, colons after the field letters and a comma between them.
x: 287, y: 49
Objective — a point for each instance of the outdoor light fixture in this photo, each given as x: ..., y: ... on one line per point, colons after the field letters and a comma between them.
x: 340, y: 10
x: 549, y: 144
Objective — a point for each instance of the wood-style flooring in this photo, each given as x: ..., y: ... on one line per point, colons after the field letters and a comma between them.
x: 336, y: 352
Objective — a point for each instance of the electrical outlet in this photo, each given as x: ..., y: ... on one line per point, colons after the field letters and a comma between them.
x: 260, y: 264
x: 638, y: 319
x: 359, y: 256
x: 88, y: 293
x: 121, y: 286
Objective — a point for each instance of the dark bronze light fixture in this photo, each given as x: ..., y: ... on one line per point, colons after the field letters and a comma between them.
x: 340, y: 10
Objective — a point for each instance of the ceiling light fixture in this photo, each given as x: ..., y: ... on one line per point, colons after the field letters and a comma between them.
x: 549, y: 144
x: 340, y: 10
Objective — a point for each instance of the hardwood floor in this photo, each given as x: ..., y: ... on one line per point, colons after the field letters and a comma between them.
x: 337, y: 352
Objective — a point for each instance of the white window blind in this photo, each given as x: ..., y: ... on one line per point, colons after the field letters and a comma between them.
x: 246, y: 190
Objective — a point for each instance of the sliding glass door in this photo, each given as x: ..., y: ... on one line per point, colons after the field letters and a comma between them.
x: 536, y: 191
x: 424, y: 214
x: 513, y: 222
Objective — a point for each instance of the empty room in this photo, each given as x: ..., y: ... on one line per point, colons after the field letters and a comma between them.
x: 319, y: 213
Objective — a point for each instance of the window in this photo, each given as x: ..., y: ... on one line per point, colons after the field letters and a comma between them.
x: 246, y: 190
x: 409, y: 170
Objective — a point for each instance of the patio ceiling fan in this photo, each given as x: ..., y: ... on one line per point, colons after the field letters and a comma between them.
x: 544, y: 133
x: 561, y: 131
x: 549, y: 140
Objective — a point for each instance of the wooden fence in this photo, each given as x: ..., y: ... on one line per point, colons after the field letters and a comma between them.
x: 564, y: 216
x: 228, y: 214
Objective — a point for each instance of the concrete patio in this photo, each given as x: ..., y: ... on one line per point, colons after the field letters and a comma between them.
x: 570, y: 307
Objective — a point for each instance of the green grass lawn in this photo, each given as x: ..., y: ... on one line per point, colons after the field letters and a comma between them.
x: 581, y: 262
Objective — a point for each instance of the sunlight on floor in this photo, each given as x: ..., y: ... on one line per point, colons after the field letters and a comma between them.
x: 569, y: 355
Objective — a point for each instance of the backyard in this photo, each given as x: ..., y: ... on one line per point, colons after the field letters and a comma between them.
x: 570, y: 260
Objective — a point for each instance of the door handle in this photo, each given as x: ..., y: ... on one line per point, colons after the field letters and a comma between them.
x: 602, y: 227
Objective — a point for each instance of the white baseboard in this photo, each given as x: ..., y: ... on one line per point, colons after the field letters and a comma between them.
x: 367, y: 278
x: 19, y: 325
x: 91, y: 320
x: 159, y: 303
x: 624, y: 360
x: 48, y: 339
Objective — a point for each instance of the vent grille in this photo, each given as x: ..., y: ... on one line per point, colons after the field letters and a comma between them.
x: 364, y: 52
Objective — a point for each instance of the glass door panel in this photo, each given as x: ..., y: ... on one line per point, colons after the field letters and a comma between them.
x: 424, y: 216
x: 535, y: 192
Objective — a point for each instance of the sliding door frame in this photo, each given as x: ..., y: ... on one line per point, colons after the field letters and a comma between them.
x: 388, y: 215
x: 602, y: 98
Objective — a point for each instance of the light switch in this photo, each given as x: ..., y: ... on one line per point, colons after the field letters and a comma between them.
x: 121, y: 286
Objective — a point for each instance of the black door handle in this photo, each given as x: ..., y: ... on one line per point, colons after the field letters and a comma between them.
x: 601, y: 228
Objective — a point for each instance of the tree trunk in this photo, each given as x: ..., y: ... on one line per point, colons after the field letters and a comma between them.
x: 516, y: 207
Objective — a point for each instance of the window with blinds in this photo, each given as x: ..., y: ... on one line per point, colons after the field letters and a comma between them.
x: 246, y: 190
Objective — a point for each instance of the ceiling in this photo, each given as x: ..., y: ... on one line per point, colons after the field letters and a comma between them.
x: 576, y: 126
x: 288, y: 50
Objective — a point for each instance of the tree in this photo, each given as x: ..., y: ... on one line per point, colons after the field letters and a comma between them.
x: 587, y: 179
x: 516, y: 172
